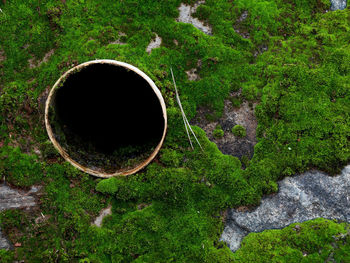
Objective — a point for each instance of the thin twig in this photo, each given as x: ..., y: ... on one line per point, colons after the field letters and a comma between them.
x: 186, y: 123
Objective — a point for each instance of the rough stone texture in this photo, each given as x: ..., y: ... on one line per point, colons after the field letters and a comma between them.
x: 104, y: 212
x: 185, y: 16
x: 154, y: 44
x: 300, y: 198
x: 4, y: 243
x: 230, y: 144
x: 13, y: 198
x: 338, y: 4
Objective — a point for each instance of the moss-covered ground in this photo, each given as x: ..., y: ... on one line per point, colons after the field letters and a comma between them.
x: 172, y: 211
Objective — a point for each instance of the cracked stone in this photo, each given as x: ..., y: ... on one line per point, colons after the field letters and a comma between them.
x: 304, y: 197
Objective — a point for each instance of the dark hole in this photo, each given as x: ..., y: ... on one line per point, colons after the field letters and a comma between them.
x: 106, y: 115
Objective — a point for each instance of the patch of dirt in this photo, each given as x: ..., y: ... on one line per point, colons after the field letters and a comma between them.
x: 33, y: 63
x: 155, y: 43
x: 229, y: 143
x: 185, y: 16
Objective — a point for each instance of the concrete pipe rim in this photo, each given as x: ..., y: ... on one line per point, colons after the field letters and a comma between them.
x: 66, y: 156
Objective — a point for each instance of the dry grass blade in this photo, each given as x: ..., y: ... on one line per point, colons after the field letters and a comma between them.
x: 186, y: 123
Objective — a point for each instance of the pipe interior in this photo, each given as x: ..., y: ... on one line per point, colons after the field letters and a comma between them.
x: 106, y: 116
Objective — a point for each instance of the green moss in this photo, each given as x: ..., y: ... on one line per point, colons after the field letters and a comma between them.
x: 300, y: 84
x: 236, y: 102
x: 239, y: 131
x: 48, y: 150
x: 19, y: 169
x: 218, y: 132
x: 317, y: 240
x: 245, y: 160
x: 6, y: 256
x: 171, y: 157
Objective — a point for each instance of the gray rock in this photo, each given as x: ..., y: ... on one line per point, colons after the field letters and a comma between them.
x: 154, y: 44
x: 338, y: 4
x: 185, y: 16
x: 300, y: 198
x: 4, y: 243
x: 104, y: 212
x: 13, y: 198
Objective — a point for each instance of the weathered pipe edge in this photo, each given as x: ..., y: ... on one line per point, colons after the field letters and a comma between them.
x: 65, y: 155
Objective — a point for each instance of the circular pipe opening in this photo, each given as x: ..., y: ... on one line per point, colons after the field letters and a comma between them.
x: 106, y: 118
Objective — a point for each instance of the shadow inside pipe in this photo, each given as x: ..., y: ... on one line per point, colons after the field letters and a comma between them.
x: 106, y: 117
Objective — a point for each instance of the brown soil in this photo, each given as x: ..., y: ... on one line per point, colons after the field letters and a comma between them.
x: 229, y: 143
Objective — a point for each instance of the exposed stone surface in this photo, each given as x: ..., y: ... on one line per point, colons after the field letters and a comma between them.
x: 230, y: 144
x: 4, y: 243
x: 338, y: 4
x: 13, y: 198
x: 300, y: 198
x: 104, y: 212
x: 185, y: 16
x: 155, y: 43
